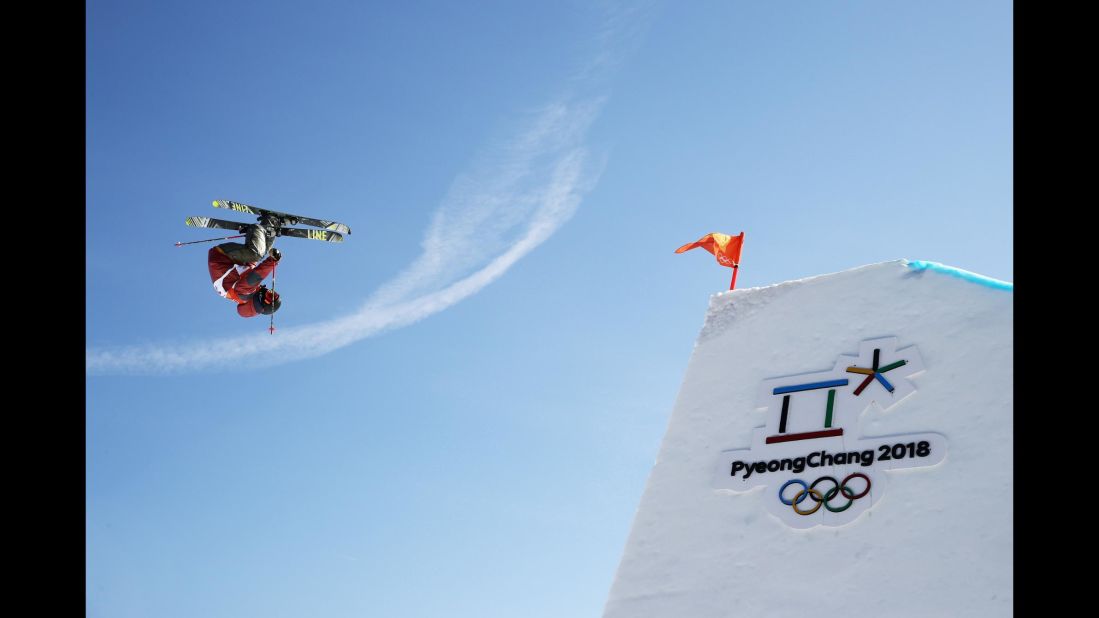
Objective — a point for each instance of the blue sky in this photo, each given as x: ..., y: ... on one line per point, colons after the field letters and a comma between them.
x: 461, y: 405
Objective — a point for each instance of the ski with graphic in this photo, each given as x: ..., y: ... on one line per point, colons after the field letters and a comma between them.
x: 331, y: 226
x: 222, y: 224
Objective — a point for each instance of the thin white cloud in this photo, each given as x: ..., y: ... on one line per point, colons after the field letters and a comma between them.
x: 517, y: 195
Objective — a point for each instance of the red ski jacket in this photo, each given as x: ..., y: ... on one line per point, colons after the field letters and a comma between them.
x: 238, y: 283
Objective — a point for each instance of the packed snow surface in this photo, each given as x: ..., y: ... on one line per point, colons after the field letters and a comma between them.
x: 938, y: 542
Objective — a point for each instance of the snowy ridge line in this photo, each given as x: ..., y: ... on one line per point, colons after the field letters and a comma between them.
x: 914, y: 264
x: 961, y: 274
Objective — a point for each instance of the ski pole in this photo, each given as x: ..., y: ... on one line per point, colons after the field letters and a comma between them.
x: 271, y: 326
x: 180, y: 244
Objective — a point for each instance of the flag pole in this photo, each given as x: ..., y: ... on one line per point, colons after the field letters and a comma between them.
x: 736, y: 265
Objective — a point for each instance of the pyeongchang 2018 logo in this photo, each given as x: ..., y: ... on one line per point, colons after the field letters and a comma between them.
x: 815, y: 468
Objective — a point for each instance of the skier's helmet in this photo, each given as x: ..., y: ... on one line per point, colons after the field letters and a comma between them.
x: 266, y: 301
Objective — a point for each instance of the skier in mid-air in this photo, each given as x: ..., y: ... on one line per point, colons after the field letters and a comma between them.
x: 238, y: 273
x: 237, y: 270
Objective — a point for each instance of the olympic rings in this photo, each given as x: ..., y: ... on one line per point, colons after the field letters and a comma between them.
x: 838, y: 488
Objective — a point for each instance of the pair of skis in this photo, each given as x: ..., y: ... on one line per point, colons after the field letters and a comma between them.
x: 330, y: 231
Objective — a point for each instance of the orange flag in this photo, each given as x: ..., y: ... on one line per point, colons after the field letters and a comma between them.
x: 724, y: 247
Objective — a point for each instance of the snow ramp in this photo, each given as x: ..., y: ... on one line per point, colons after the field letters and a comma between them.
x: 840, y: 444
